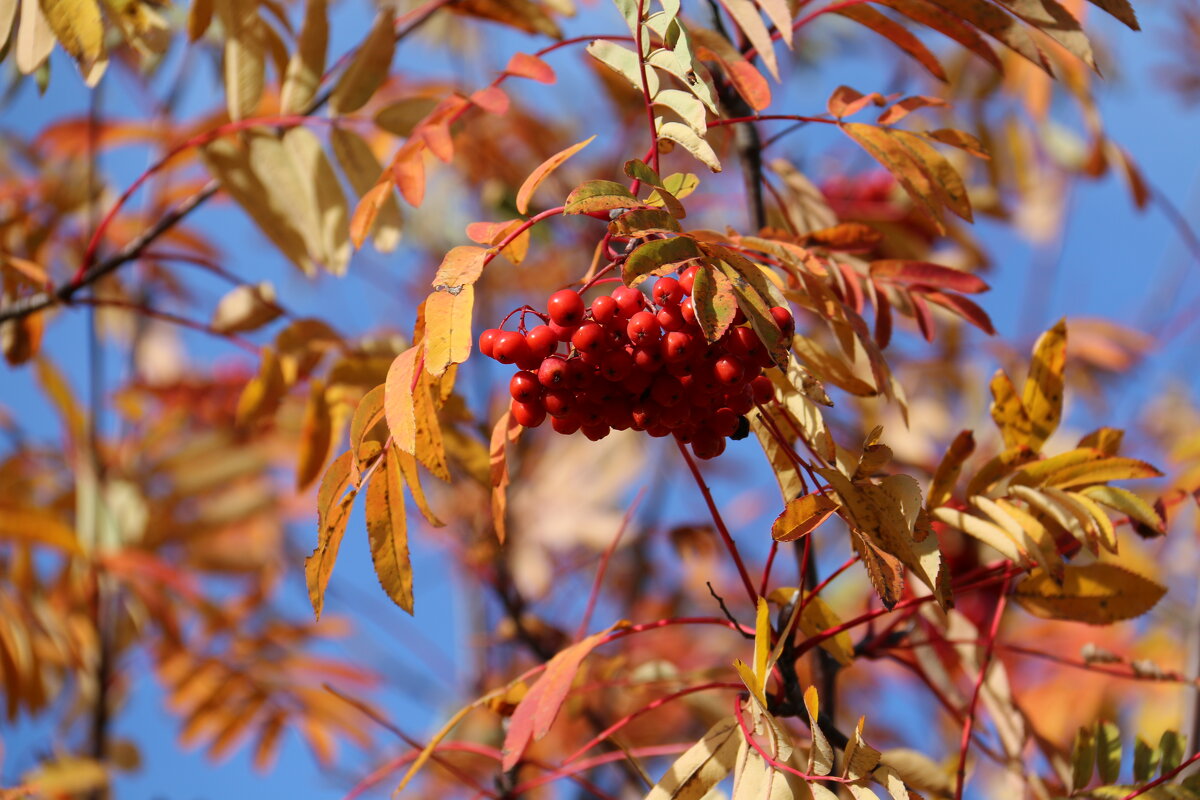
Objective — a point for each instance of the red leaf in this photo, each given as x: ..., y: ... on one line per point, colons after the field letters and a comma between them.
x: 926, y: 274
x: 524, y: 65
x: 967, y: 309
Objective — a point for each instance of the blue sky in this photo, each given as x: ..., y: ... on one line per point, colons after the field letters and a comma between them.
x: 1111, y: 259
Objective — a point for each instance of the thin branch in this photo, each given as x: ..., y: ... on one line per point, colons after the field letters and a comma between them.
x: 984, y: 664
x: 604, y: 560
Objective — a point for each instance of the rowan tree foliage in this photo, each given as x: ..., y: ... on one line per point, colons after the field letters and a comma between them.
x: 634, y: 287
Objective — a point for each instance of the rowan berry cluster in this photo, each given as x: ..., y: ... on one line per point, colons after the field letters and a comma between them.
x: 629, y: 362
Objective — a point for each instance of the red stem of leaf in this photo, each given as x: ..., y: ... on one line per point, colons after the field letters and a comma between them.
x: 720, y: 524
x: 604, y: 559
x: 985, y: 662
x: 741, y: 720
x: 1163, y: 778
x: 641, y: 27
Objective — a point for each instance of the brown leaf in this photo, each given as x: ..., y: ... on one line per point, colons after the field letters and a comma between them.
x: 702, y: 766
x: 802, y: 516
x: 948, y: 470
x: 316, y: 436
x: 307, y: 64
x: 369, y: 67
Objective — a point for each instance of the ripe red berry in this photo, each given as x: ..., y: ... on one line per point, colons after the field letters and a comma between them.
x: 616, y: 365
x: 687, y: 278
x: 729, y: 370
x: 667, y: 292
x: 763, y: 389
x: 542, y: 341
x: 604, y: 309
x: 559, y: 402
x: 707, y: 444
x: 643, y: 329
x: 563, y: 332
x: 566, y: 307
x: 510, y: 347
x: 577, y: 374
x: 688, y: 311
x: 629, y: 300
x: 642, y: 416
x: 590, y: 338
x: 666, y: 391
x: 524, y: 386
x: 637, y: 382
x: 588, y: 413
x: 670, y: 318
x: 648, y: 359
x: 785, y: 321
x: 677, y: 347
x: 553, y: 372
x: 487, y: 341
x: 595, y: 432
x: 724, y: 422
x: 564, y: 425
x: 529, y: 415
x: 740, y: 401
x: 658, y: 430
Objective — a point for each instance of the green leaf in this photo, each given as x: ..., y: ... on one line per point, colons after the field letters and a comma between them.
x: 1083, y: 758
x: 1171, y: 747
x: 658, y: 257
x: 369, y: 68
x: 1145, y: 761
x: 1108, y: 751
x: 599, y: 195
x: 625, y: 63
x: 714, y: 302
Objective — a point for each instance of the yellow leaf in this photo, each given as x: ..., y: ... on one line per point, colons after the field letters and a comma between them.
x: 448, y: 327
x: 264, y: 391
x: 1104, y: 527
x: 888, y: 151
x: 367, y: 415
x: 948, y: 470
x: 462, y: 266
x: 79, y: 29
x: 1098, y: 594
x: 317, y: 198
x: 307, y: 64
x: 378, y: 210
x: 802, y: 516
x: 368, y: 69
x: 1065, y: 517
x: 1009, y: 412
x: 246, y: 308
x: 245, y: 51
x: 1127, y: 503
x: 8, y: 15
x: 387, y: 530
x: 316, y: 436
x: 35, y: 38
x: 506, y: 428
x: 860, y: 758
x: 1042, y: 396
x: 535, y: 179
x: 67, y: 776
x: 987, y: 532
x: 762, y: 643
x: 1043, y: 539
x: 37, y: 526
x: 398, y: 400
x: 1047, y: 469
x: 702, y: 766
x: 333, y: 512
x: 408, y: 469
x: 820, y: 756
x: 1101, y: 471
x: 818, y: 616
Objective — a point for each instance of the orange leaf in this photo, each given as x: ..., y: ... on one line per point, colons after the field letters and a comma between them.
x: 408, y: 171
x: 462, y: 266
x: 316, y: 435
x: 448, y: 327
x: 535, y: 179
x: 846, y: 102
x: 491, y: 99
x: 802, y: 516
x: 333, y: 511
x: 506, y: 429
x: 367, y: 210
x: 387, y: 530
x: 524, y: 65
x: 537, y: 710
x: 398, y: 400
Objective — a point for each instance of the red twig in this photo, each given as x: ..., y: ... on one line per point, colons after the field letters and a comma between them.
x: 766, y: 575
x: 607, y: 758
x: 662, y: 701
x: 641, y: 29
x: 604, y: 559
x: 720, y: 523
x: 984, y: 663
x: 737, y: 712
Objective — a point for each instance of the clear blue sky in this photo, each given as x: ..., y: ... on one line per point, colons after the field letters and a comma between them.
x: 1112, y: 258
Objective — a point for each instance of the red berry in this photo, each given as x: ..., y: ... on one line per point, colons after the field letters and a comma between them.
x: 510, y: 347
x: 658, y: 430
x: 616, y: 365
x: 487, y: 341
x: 763, y: 389
x: 670, y: 318
x: 739, y: 316
x: 566, y: 307
x: 677, y: 347
x: 590, y: 338
x: 524, y: 386
x: 637, y: 382
x: 676, y: 416
x: 588, y: 413
x: 564, y: 425
x: 604, y: 309
x: 563, y: 332
x: 529, y: 415
x: 642, y: 416
x: 648, y: 359
x: 643, y: 328
x: 785, y: 321
x: 724, y: 422
x: 688, y: 311
x: 618, y: 417
x: 559, y: 402
x: 542, y: 341
x: 577, y: 374
x: 729, y: 370
x: 667, y: 292
x: 741, y: 401
x: 553, y: 372
x: 688, y: 278
x: 707, y: 444
x: 629, y: 300
x: 595, y: 432
x: 685, y: 433
x: 666, y: 391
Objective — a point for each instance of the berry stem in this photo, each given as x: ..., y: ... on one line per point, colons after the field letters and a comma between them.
x: 720, y: 524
